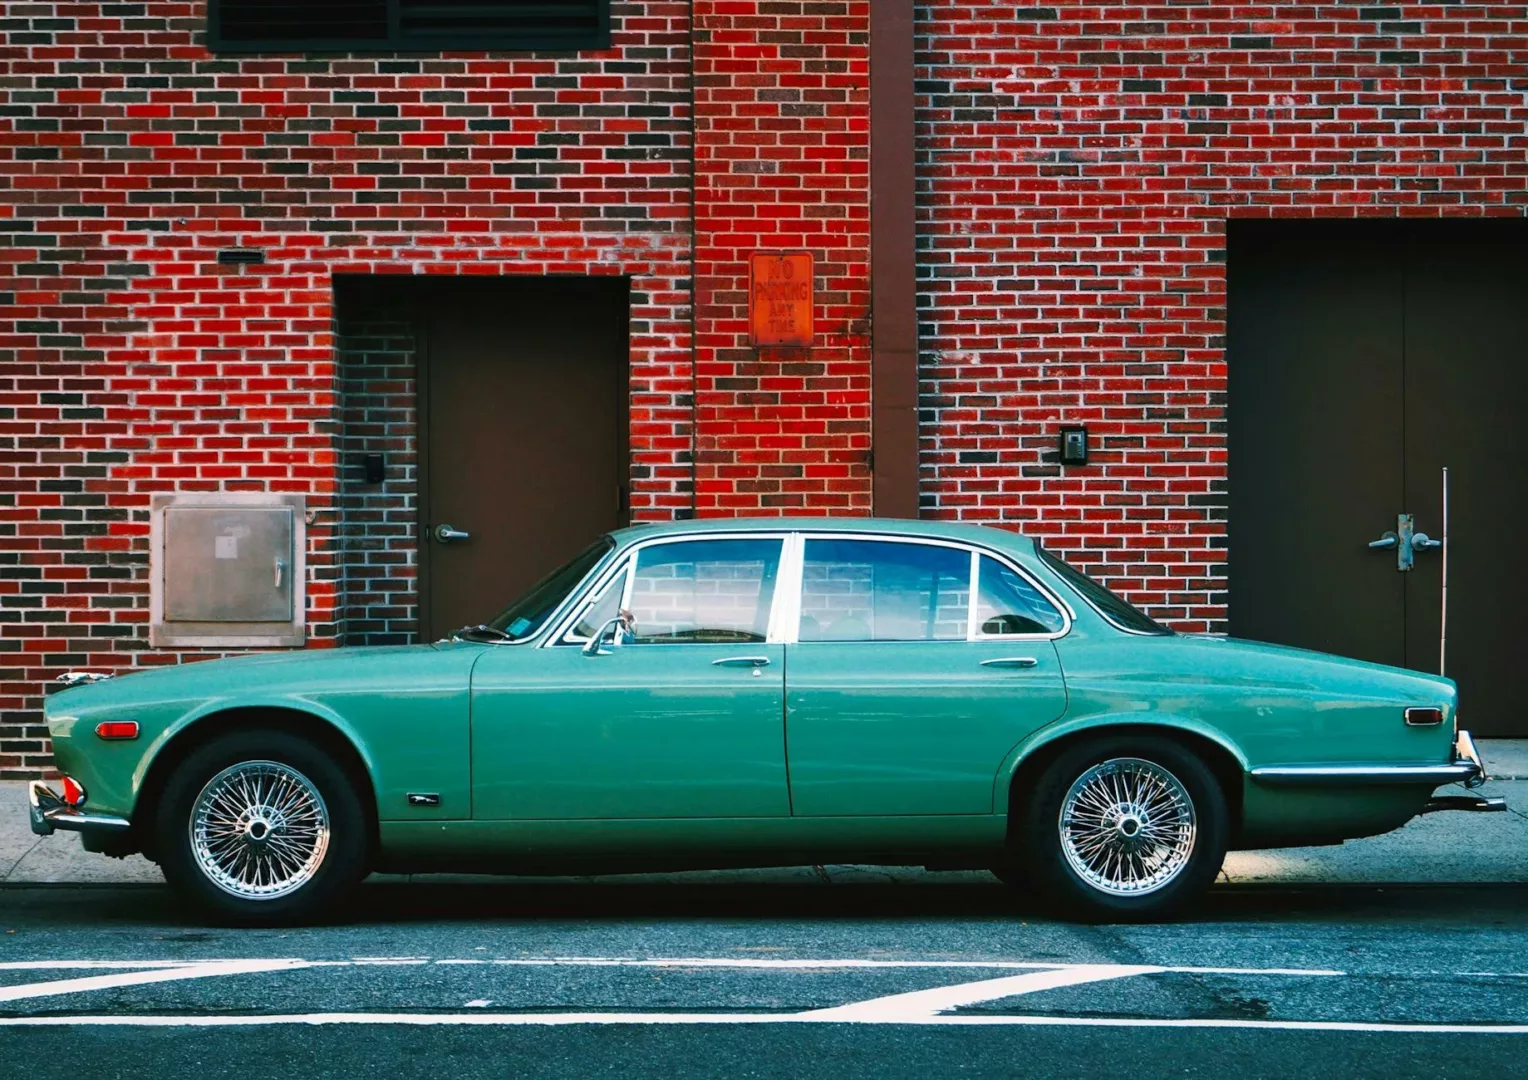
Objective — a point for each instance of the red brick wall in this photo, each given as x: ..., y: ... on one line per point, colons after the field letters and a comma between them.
x: 782, y: 163
x: 131, y: 363
x: 1077, y: 164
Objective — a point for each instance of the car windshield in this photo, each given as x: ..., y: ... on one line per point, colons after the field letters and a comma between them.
x: 526, y: 615
x: 1118, y: 611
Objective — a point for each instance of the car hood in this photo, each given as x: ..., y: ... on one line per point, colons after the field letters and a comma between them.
x: 204, y: 678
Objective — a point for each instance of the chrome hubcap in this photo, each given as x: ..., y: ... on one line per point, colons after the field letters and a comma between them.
x: 1127, y: 827
x: 259, y: 830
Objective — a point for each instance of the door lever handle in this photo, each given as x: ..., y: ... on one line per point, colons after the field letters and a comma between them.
x: 1423, y: 542
x: 446, y: 534
x: 1387, y: 541
x: 742, y: 661
x: 1011, y: 661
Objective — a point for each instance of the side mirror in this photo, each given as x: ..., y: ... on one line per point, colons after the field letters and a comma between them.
x: 613, y: 633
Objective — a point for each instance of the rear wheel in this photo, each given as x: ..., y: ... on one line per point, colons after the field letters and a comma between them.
x: 1124, y: 828
x: 261, y: 827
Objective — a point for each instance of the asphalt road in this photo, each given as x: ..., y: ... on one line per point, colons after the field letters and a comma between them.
x: 946, y: 978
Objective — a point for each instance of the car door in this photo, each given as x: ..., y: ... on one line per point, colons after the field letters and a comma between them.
x: 902, y: 697
x: 681, y: 719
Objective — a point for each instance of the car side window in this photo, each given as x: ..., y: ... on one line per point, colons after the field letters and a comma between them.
x: 1006, y: 603
x: 881, y: 590
x: 704, y: 591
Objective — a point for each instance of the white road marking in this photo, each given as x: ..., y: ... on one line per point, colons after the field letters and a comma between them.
x: 920, y: 1007
x: 201, y: 970
x: 658, y: 1019
x: 675, y: 962
x: 922, y: 1004
x: 730, y: 962
x: 89, y: 965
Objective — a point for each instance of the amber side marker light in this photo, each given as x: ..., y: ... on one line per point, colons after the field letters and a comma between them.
x: 124, y: 729
x: 1424, y: 717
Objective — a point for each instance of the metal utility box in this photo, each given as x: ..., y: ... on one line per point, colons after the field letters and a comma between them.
x: 228, y: 570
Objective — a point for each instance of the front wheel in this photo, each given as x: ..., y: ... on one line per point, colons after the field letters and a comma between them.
x: 1124, y: 828
x: 261, y: 827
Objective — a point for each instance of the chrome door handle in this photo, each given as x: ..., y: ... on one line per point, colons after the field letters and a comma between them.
x: 742, y: 661
x: 1012, y: 661
x: 446, y: 534
x: 1423, y: 542
x: 1387, y: 541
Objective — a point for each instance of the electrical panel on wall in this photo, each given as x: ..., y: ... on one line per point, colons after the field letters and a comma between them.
x: 228, y: 570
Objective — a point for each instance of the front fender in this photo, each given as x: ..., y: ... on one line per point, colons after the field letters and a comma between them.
x: 1102, y: 724
x: 291, y: 704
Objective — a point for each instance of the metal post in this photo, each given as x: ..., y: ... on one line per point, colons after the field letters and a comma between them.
x: 1443, y: 622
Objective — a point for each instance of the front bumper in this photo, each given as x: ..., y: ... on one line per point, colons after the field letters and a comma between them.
x: 49, y: 812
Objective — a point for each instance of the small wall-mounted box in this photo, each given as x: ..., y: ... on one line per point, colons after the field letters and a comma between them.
x: 228, y: 570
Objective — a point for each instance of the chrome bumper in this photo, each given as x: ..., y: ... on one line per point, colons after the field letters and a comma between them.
x: 1466, y: 769
x: 49, y: 812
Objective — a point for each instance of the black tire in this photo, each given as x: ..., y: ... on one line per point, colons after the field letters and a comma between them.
x: 1044, y: 856
x: 342, y: 864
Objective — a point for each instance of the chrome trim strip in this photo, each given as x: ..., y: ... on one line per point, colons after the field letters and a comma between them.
x: 48, y: 812
x: 1365, y: 774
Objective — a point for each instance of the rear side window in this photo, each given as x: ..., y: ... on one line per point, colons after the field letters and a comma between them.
x: 1007, y: 603
x: 1113, y: 608
x: 869, y: 590
x: 704, y: 591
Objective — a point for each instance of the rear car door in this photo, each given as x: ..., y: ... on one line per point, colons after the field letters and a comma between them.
x: 681, y: 720
x: 902, y: 696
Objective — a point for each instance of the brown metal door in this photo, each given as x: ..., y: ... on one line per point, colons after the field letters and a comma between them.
x: 1316, y: 438
x: 524, y: 394
x: 1466, y: 389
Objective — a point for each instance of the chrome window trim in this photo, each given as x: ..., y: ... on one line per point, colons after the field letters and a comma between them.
x: 626, y: 559
x: 606, y: 580
x: 976, y: 551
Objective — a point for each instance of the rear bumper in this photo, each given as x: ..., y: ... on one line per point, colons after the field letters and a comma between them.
x: 1466, y: 768
x: 49, y: 812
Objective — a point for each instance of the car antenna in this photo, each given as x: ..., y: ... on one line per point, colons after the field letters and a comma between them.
x: 1443, y: 621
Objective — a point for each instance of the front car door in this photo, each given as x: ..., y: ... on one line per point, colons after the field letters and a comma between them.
x: 903, y: 697
x: 682, y: 719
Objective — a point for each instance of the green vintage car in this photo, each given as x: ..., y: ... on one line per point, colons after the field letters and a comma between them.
x: 754, y: 693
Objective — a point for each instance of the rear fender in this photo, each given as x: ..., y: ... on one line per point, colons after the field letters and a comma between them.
x: 1166, y: 723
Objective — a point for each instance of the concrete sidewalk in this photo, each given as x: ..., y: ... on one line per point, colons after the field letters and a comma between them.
x: 1436, y: 849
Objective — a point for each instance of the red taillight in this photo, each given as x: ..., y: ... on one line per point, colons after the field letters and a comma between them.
x: 74, y: 793
x: 118, y: 729
x: 1424, y: 717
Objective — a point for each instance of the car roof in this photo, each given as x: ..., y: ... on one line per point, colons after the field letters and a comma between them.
x: 937, y: 530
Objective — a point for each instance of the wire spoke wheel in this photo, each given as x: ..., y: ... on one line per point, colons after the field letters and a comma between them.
x: 1127, y: 827
x: 259, y: 830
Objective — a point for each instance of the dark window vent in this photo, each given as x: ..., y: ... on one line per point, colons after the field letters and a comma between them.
x: 406, y: 25
x: 241, y: 256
